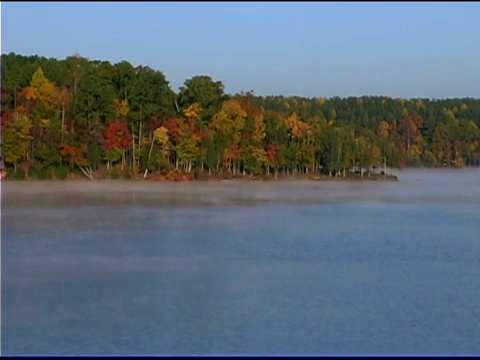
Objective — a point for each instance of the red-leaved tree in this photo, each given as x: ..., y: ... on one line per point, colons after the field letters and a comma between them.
x: 118, y: 140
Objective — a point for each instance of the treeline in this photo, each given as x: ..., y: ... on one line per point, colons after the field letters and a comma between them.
x: 92, y: 117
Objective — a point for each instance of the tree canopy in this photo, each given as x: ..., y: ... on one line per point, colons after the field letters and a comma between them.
x: 80, y: 116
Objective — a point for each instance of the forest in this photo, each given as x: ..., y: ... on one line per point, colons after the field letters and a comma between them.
x: 77, y: 117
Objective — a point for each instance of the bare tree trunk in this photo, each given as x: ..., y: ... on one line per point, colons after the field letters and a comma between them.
x: 408, y: 139
x: 63, y: 122
x: 140, y: 128
x: 148, y: 159
x: 133, y: 155
x: 87, y: 172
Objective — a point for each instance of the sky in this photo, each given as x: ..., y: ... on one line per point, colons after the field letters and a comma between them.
x: 311, y: 49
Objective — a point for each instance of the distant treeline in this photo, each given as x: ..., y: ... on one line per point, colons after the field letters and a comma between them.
x: 88, y: 117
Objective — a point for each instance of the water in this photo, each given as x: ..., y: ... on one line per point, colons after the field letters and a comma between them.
x: 243, y: 267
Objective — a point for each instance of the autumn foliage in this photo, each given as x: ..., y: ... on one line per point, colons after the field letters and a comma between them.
x: 87, y: 115
x: 118, y: 136
x: 74, y: 155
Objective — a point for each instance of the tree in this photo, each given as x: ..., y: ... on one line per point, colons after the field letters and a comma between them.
x: 229, y: 123
x: 202, y: 89
x: 274, y: 159
x: 410, y: 128
x: 94, y: 98
x: 123, y: 75
x: 118, y: 140
x: 76, y: 156
x: 16, y: 137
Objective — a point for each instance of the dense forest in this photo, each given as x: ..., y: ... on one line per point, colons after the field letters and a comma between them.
x: 78, y: 117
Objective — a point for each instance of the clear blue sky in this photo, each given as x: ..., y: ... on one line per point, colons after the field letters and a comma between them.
x: 404, y: 49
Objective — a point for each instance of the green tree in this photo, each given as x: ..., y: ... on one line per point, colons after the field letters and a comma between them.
x: 202, y: 89
x: 16, y: 137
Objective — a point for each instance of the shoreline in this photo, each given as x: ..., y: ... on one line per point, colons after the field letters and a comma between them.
x: 189, y: 178
x: 413, y: 186
x: 215, y: 179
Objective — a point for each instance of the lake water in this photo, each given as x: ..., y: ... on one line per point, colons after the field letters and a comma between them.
x: 290, y: 267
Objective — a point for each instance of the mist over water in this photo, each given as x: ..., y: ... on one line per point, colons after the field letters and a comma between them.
x: 243, y: 267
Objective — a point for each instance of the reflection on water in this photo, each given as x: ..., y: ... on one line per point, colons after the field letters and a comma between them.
x: 243, y: 267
